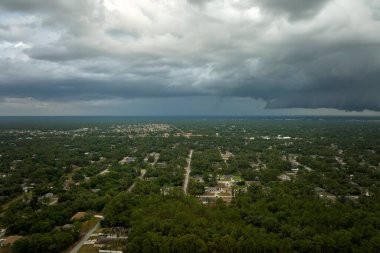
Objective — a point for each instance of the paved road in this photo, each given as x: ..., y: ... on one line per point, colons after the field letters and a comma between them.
x: 89, y: 233
x: 140, y: 177
x: 187, y: 173
x: 85, y: 238
x: 177, y: 129
x: 221, y: 155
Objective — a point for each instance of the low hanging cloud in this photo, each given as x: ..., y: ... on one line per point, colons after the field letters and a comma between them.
x: 288, y: 53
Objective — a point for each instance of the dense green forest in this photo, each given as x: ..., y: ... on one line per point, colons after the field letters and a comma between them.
x: 286, y: 218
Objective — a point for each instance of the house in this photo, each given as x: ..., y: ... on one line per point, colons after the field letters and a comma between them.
x: 280, y: 137
x: 67, y: 226
x: 326, y: 195
x: 294, y: 170
x: 206, y: 200
x: 319, y: 189
x: 48, y: 199
x: 127, y: 159
x: 226, y: 177
x: 284, y: 177
x: 27, y: 188
x: 47, y: 195
x: 110, y: 251
x: 365, y: 192
x: 227, y: 155
x: 229, y: 177
x: 161, y: 164
x: 253, y: 165
x: 212, y: 189
x: 225, y: 183
x: 166, y: 190
x: 198, y: 178
x: 2, y: 232
x: 79, y: 216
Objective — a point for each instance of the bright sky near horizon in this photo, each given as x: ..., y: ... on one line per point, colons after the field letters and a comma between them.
x: 189, y: 57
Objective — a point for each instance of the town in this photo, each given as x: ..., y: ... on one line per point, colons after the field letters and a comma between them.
x: 149, y: 185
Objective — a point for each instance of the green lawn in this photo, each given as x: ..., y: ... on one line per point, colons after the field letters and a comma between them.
x: 88, y: 249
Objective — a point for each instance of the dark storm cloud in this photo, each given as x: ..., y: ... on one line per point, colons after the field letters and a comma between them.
x: 70, y: 15
x: 70, y: 7
x: 342, y: 94
x: 295, y: 9
x: 288, y: 53
x: 346, y: 78
x: 62, y: 53
x: 198, y: 2
x: 69, y: 90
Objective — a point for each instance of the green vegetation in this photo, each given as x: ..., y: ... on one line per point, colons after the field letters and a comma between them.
x: 292, y: 185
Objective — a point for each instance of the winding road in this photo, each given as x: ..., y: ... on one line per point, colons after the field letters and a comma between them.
x: 187, y: 173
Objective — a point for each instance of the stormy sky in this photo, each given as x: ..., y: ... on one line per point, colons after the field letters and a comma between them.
x: 189, y: 57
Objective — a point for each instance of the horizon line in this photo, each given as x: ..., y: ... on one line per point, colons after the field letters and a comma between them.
x: 227, y: 116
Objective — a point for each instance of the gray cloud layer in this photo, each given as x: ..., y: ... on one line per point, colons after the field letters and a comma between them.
x: 288, y: 53
x: 294, y: 9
